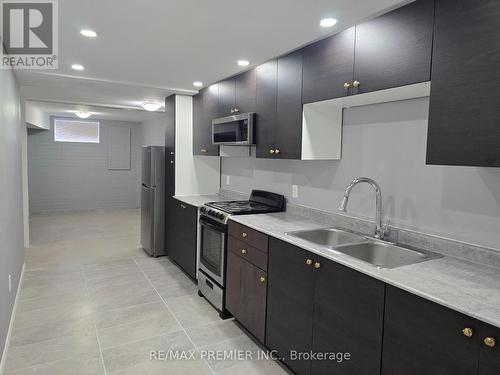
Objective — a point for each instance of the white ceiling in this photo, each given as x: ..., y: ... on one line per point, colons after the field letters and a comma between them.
x: 147, y: 49
x: 102, y: 113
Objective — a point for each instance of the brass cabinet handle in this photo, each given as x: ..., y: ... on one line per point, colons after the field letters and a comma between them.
x: 317, y: 265
x: 309, y: 262
x: 468, y: 332
x: 356, y: 84
x: 243, y: 251
x: 182, y: 206
x: 347, y: 85
x: 203, y: 150
x: 171, y: 152
x: 490, y: 342
x: 277, y: 151
x: 271, y: 151
x: 262, y: 279
x: 244, y: 235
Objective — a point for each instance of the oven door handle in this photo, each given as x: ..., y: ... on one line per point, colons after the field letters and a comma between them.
x: 219, y: 228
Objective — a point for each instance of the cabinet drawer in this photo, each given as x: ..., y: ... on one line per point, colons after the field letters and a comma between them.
x: 248, y: 236
x: 247, y: 252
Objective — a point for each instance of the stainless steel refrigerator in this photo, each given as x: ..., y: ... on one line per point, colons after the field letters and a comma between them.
x: 153, y: 200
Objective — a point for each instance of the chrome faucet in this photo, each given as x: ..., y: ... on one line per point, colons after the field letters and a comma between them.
x: 379, y: 231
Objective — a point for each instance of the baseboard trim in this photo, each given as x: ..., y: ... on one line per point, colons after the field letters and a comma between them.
x: 3, y: 362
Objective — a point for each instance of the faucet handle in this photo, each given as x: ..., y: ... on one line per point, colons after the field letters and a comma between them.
x: 385, y: 228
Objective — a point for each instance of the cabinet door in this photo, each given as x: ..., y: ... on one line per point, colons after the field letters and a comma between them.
x: 205, y: 109
x: 182, y: 229
x: 395, y: 49
x: 422, y: 337
x: 234, y: 297
x: 489, y: 357
x: 254, y: 288
x: 328, y: 65
x: 169, y: 148
x: 226, y: 97
x: 348, y: 318
x: 290, y: 303
x: 245, y: 91
x: 464, y: 112
x: 288, y: 132
x: 266, y: 101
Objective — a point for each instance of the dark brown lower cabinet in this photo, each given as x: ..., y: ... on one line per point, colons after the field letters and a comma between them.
x: 290, y: 304
x: 246, y: 293
x: 489, y: 356
x: 348, y: 320
x: 181, y: 236
x: 318, y: 306
x: 422, y: 337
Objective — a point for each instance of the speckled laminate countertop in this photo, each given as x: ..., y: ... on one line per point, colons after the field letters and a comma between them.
x: 469, y: 288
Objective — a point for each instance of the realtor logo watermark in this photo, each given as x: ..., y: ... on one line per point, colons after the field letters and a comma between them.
x: 29, y: 34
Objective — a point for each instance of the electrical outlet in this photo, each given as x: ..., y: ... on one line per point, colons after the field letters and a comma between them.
x: 228, y: 180
x: 10, y: 283
x: 295, y: 191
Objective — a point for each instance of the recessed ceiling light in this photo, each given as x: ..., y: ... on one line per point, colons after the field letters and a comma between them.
x: 151, y: 106
x: 197, y: 84
x: 83, y: 114
x: 243, y: 62
x: 88, y: 33
x: 77, y: 67
x: 328, y: 22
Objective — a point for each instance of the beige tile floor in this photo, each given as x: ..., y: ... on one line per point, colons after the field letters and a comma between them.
x: 93, y: 303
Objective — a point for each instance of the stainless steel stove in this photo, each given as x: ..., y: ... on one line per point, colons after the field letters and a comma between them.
x: 213, y: 242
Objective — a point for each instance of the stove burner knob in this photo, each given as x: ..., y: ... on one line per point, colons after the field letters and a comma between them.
x: 203, y: 209
x: 211, y: 212
x: 220, y: 216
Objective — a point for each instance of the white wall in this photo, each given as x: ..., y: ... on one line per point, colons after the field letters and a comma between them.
x: 11, y: 197
x: 386, y: 142
x: 193, y: 174
x: 75, y: 176
x: 153, y: 131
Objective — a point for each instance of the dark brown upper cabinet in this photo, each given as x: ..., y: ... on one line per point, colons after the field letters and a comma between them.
x: 394, y: 49
x: 279, y: 107
x: 265, y: 106
x: 205, y: 109
x: 464, y: 113
x: 227, y: 102
x: 288, y: 130
x: 389, y: 51
x: 328, y: 67
x: 237, y: 94
x: 245, y: 91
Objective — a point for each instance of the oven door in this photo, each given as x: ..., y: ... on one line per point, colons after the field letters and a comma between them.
x: 213, y: 249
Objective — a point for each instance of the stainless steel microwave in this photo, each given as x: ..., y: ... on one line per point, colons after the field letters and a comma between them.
x: 237, y: 130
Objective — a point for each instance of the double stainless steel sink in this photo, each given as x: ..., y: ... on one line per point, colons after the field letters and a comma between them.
x: 381, y: 254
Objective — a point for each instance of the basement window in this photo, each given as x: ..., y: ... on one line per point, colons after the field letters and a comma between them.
x: 76, y: 131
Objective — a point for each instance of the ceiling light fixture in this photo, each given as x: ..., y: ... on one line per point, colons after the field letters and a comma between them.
x: 328, y: 22
x: 88, y: 33
x: 77, y: 67
x: 243, y: 62
x: 197, y: 84
x: 83, y: 114
x: 151, y: 106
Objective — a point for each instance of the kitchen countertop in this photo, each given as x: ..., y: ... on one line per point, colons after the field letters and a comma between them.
x: 200, y: 200
x: 469, y: 288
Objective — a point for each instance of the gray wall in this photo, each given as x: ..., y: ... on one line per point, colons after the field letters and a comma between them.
x: 386, y: 142
x: 153, y: 130
x: 11, y: 198
x: 75, y: 176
